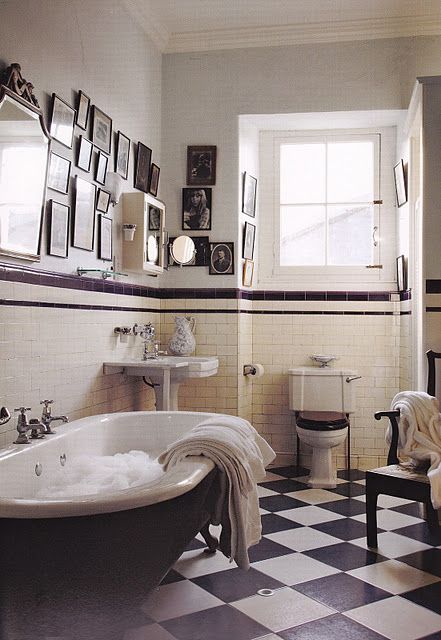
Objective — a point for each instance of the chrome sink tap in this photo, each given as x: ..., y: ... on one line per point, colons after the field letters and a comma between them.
x: 47, y: 418
x: 151, y: 345
x: 22, y: 426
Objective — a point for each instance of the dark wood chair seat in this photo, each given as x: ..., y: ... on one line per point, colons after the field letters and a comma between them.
x: 399, y: 479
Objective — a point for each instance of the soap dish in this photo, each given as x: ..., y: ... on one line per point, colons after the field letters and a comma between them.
x: 322, y: 360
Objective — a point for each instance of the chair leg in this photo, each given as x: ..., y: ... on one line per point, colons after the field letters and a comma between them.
x: 371, y: 518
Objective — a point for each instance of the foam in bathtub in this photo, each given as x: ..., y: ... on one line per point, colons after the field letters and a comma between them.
x: 87, y: 475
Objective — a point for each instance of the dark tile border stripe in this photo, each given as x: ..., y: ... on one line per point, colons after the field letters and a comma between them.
x: 62, y: 305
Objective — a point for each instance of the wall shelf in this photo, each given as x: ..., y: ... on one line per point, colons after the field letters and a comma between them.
x: 105, y: 273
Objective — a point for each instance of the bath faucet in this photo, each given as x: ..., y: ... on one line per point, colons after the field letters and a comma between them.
x: 22, y: 426
x: 47, y: 418
x: 148, y: 334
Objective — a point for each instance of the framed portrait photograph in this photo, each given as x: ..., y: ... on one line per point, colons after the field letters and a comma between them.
x: 105, y: 238
x: 221, y: 258
x: 85, y: 148
x: 62, y: 121
x: 101, y: 130
x: 401, y: 273
x: 154, y: 179
x: 196, y: 208
x: 102, y: 200
x: 122, y: 155
x: 101, y: 167
x: 84, y: 217
x: 201, y: 165
x: 58, y: 229
x: 248, y: 270
x: 154, y: 218
x: 400, y: 183
x: 142, y: 167
x: 248, y: 241
x: 58, y: 173
x: 249, y: 194
x: 83, y: 110
x: 201, y: 255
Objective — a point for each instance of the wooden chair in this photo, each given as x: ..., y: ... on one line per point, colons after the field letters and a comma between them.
x: 396, y: 480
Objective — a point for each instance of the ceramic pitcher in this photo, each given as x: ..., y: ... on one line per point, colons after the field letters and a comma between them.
x: 183, y: 342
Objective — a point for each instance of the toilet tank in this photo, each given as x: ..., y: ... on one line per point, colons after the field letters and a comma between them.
x: 321, y: 389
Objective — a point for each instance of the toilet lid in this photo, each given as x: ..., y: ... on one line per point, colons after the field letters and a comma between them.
x: 322, y: 420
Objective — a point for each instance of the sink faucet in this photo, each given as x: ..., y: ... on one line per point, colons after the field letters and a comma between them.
x: 22, y: 426
x: 151, y: 345
x: 47, y: 417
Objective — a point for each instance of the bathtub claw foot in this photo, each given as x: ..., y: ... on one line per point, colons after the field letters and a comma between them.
x: 211, y: 541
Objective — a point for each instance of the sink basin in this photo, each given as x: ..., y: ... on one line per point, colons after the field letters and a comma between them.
x: 167, y: 372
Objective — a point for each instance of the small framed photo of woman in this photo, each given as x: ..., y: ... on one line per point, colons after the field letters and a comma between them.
x: 58, y: 229
x: 101, y: 168
x: 105, y: 238
x: 248, y: 270
x: 221, y: 258
x: 196, y: 208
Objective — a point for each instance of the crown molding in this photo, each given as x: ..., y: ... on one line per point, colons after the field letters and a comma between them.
x: 337, y: 31
x: 148, y: 23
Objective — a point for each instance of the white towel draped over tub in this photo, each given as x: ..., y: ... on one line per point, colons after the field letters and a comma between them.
x: 241, y: 455
x: 420, y: 435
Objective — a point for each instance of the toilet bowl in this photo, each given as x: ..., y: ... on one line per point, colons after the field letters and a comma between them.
x: 322, y: 399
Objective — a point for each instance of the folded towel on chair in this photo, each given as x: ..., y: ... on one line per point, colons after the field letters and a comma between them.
x: 420, y: 435
x: 241, y: 455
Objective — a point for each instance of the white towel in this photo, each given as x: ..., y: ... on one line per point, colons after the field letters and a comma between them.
x: 420, y: 435
x: 241, y: 455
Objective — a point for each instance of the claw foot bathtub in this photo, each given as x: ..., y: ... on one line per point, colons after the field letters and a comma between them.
x: 82, y: 566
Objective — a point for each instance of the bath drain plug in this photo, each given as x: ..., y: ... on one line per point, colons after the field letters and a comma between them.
x: 265, y: 592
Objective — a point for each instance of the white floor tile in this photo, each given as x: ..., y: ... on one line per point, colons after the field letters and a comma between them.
x: 178, y: 599
x: 393, y: 576
x: 262, y: 492
x: 263, y: 512
x: 315, y: 496
x: 148, y: 632
x: 306, y: 478
x: 386, y: 502
x: 303, y: 539
x: 390, y: 520
x: 397, y: 619
x: 285, y: 609
x: 197, y: 563
x: 393, y: 545
x: 272, y: 476
x: 294, y: 568
x: 309, y: 515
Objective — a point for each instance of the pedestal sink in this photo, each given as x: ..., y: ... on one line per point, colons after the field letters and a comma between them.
x: 167, y: 372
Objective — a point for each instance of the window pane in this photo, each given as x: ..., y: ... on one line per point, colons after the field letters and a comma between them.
x: 350, y: 172
x: 302, y: 235
x: 350, y: 235
x: 302, y: 173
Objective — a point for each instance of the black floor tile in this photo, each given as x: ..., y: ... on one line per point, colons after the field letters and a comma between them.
x: 172, y: 576
x: 345, y: 556
x: 342, y: 592
x: 346, y: 528
x: 271, y: 523
x: 235, y: 584
x: 284, y: 486
x: 291, y: 471
x: 352, y: 474
x: 421, y: 532
x: 412, y: 509
x: 429, y: 597
x: 428, y: 560
x: 195, y: 544
x: 346, y: 508
x: 280, y: 503
x: 330, y: 628
x: 349, y: 489
x: 267, y: 549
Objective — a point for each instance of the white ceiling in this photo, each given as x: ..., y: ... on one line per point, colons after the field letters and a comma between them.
x: 200, y: 25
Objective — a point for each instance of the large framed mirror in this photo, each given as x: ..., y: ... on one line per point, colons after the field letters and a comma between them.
x: 24, y: 150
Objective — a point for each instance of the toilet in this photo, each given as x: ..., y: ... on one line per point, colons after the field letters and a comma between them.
x: 322, y: 399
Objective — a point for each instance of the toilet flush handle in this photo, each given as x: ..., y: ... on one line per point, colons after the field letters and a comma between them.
x: 351, y: 378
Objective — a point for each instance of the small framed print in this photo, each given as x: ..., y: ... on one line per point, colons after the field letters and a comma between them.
x: 62, y: 121
x: 84, y: 218
x: 248, y: 270
x: 101, y: 168
x: 400, y: 183
x: 58, y: 229
x: 84, y: 154
x: 154, y: 179
x: 58, y: 173
x: 154, y: 218
x: 221, y: 258
x: 142, y: 169
x: 201, y: 165
x: 248, y: 241
x: 101, y: 130
x: 249, y: 195
x: 122, y: 155
x: 105, y: 238
x: 83, y: 110
x: 102, y: 200
x: 401, y: 273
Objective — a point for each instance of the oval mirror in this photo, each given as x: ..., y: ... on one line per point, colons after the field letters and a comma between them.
x: 152, y: 249
x: 182, y: 250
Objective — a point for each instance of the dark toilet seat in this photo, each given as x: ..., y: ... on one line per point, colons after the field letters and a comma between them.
x: 322, y: 420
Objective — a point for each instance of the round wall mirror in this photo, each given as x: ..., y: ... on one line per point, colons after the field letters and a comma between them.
x: 182, y: 249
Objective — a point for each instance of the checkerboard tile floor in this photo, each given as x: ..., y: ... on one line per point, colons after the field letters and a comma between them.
x: 324, y: 582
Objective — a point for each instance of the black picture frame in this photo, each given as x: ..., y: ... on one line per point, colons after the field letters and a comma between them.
x: 58, y: 173
x: 101, y: 167
x: 102, y: 200
x: 248, y: 271
x: 400, y: 183
x: 196, y: 214
x: 105, y: 238
x: 201, y: 165
x: 62, y: 121
x: 122, y: 155
x: 201, y: 256
x: 84, y: 216
x: 249, y: 191
x: 58, y: 229
x: 85, y: 148
x: 216, y: 258
x: 154, y: 179
x: 249, y: 236
x: 401, y: 265
x: 83, y: 107
x: 142, y: 168
x: 101, y: 130
x: 154, y: 218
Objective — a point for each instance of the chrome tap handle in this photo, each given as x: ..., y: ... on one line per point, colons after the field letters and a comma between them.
x: 351, y: 378
x: 22, y: 426
x: 46, y: 402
